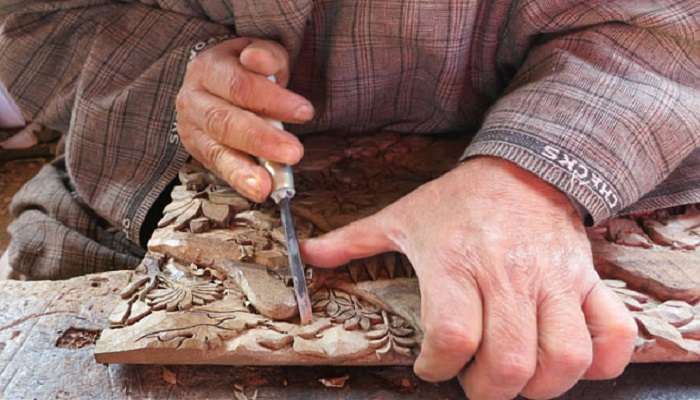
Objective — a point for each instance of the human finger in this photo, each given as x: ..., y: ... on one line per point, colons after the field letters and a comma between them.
x: 507, y: 356
x: 360, y: 239
x: 564, y: 347
x: 266, y: 58
x: 451, y: 315
x: 613, y: 332
x: 236, y: 168
x: 225, y: 77
x: 238, y: 129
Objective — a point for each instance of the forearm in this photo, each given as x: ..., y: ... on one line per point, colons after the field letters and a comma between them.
x: 602, y: 122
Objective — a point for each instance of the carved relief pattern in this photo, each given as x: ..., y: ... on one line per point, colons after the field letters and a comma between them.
x: 346, y: 309
x: 677, y: 228
x: 176, y: 287
x: 215, y: 276
x: 394, y: 334
x: 673, y: 323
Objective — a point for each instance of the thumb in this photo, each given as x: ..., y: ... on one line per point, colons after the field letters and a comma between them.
x: 266, y: 57
x: 363, y: 238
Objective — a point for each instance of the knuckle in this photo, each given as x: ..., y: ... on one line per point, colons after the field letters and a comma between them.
x: 512, y: 369
x: 239, y: 88
x: 447, y: 337
x: 251, y: 139
x: 214, y: 153
x: 217, y: 121
x: 573, y: 360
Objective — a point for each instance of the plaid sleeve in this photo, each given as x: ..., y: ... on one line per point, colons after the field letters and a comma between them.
x: 605, y: 113
x: 107, y: 73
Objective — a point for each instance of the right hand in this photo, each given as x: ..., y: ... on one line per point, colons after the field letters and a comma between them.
x: 222, y: 108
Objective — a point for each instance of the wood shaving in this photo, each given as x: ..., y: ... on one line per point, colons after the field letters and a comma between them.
x: 337, y: 382
x: 169, y: 376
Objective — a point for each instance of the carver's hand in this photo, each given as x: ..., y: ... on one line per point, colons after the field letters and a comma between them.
x: 506, y: 279
x: 222, y: 106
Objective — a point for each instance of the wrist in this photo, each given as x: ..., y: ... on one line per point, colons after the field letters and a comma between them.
x: 502, y: 180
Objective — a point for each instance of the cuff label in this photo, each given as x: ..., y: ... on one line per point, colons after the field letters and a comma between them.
x: 582, y: 173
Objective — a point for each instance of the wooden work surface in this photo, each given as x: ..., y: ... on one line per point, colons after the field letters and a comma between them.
x: 47, y: 331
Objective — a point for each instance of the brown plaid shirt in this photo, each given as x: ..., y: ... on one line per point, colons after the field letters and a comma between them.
x: 599, y: 97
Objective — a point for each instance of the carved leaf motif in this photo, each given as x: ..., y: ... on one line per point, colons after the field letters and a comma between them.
x: 178, y: 205
x: 347, y: 309
x: 671, y: 321
x: 207, y: 336
x: 228, y: 197
x: 393, y: 334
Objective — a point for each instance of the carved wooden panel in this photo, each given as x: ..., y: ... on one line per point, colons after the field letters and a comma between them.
x: 214, y: 287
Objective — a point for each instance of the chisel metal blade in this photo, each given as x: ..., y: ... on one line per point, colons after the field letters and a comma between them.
x: 296, y: 266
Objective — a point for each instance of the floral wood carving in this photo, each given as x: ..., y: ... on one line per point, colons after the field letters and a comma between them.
x: 215, y: 275
x: 677, y: 228
x: 347, y: 309
x: 670, y: 325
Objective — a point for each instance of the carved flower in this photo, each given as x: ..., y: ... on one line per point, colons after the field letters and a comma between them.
x: 347, y: 309
x: 182, y: 294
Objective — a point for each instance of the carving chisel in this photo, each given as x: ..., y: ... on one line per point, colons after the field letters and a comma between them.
x: 282, y: 193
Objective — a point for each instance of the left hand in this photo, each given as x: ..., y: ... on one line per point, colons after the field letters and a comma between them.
x: 506, y: 277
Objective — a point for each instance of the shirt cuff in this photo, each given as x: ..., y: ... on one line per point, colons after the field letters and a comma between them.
x: 596, y: 198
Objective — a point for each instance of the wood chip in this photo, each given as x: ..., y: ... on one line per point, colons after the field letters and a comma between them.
x: 193, y: 180
x: 230, y: 198
x: 200, y: 225
x: 219, y: 214
x: 239, y: 393
x: 337, y: 382
x: 180, y: 193
x: 169, y: 376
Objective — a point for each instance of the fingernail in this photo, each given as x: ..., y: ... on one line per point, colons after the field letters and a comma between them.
x: 251, y: 186
x: 304, y: 112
